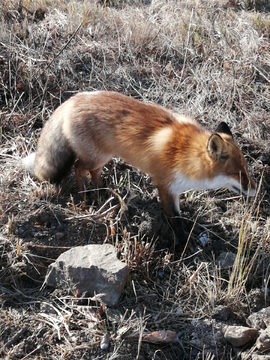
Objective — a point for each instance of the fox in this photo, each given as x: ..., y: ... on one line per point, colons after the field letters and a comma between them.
x: 90, y: 128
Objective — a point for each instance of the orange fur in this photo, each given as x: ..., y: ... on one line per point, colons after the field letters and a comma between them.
x: 176, y: 151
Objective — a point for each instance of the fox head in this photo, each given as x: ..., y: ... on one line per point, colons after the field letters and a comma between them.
x: 229, y: 162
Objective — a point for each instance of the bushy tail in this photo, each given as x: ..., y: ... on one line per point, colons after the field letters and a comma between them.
x: 28, y: 163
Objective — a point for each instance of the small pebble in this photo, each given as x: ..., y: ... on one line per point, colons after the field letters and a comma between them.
x: 105, y: 342
x: 204, y: 238
x: 60, y: 235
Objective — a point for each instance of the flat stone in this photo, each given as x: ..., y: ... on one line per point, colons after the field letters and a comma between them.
x: 91, y: 270
x: 239, y: 336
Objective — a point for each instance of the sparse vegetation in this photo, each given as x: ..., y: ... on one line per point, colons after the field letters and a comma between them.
x: 206, y: 59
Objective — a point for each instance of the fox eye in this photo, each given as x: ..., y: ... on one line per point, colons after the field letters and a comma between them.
x: 223, y: 158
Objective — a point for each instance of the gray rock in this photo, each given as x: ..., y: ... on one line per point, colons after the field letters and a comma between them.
x: 263, y: 341
x: 90, y: 269
x: 259, y: 320
x: 258, y: 299
x: 221, y: 313
x: 238, y: 336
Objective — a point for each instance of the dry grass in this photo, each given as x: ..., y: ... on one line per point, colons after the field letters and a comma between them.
x: 207, y: 59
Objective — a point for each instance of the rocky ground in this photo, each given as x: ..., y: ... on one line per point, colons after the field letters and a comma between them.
x: 208, y: 60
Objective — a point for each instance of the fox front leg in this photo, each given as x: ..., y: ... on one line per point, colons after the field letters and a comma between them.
x: 170, y: 203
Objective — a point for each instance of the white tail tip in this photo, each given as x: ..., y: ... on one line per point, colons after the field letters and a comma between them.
x: 28, y: 162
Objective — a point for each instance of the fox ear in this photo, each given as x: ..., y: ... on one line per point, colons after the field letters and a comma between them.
x: 217, y: 148
x: 224, y: 128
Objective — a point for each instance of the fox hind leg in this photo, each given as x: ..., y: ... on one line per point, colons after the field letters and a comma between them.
x: 82, y: 171
x: 96, y: 177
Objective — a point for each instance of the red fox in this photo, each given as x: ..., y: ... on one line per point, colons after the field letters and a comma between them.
x: 92, y: 127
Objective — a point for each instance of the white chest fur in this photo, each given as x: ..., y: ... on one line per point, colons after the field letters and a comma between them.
x: 183, y: 183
